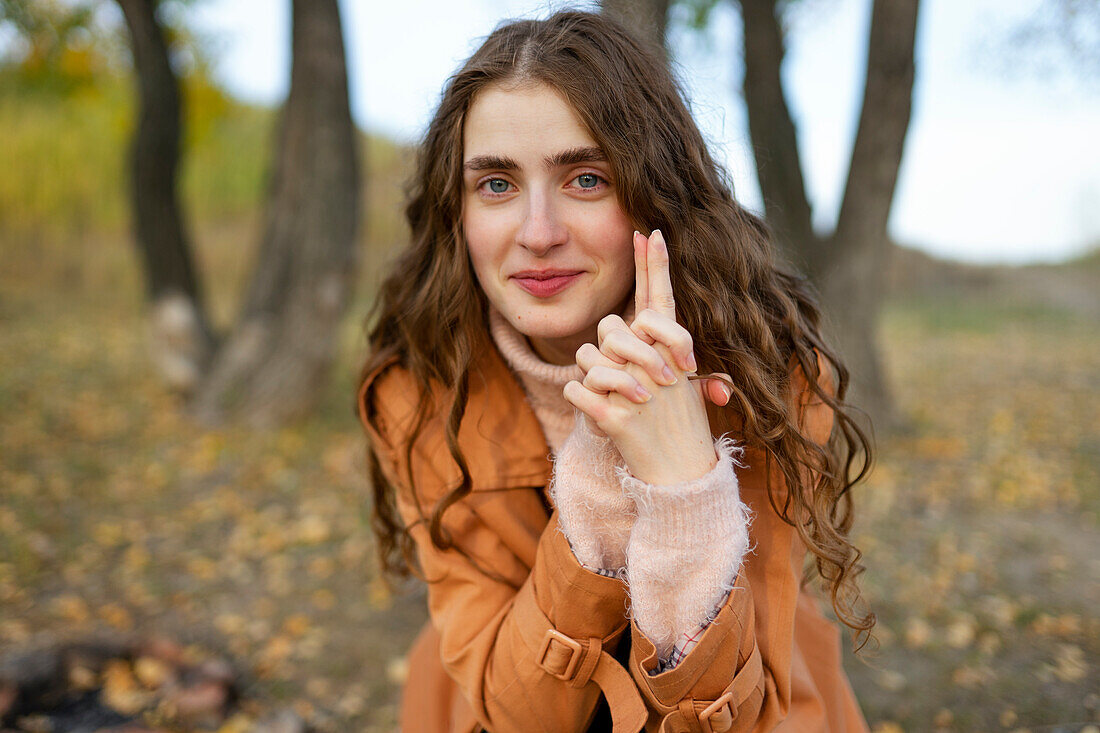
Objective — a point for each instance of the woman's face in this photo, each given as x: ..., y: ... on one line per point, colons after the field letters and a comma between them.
x: 551, y: 246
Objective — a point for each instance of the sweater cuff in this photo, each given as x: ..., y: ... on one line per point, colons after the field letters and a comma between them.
x: 686, y: 549
x: 595, y: 514
x: 691, y: 510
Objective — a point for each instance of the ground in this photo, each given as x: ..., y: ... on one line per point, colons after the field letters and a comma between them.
x: 978, y: 523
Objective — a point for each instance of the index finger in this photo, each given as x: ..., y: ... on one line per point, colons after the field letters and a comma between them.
x: 660, y: 281
x: 641, y: 273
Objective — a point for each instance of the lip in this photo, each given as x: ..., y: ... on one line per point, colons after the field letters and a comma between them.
x: 546, y: 283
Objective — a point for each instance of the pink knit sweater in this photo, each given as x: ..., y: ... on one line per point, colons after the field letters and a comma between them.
x: 678, y: 547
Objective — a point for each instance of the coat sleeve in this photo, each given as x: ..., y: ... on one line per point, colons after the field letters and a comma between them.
x: 739, y: 675
x: 529, y: 644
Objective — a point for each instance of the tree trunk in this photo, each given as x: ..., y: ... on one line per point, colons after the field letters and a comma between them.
x: 647, y: 18
x: 772, y: 131
x: 852, y: 279
x: 275, y: 361
x: 182, y: 336
x: 847, y: 267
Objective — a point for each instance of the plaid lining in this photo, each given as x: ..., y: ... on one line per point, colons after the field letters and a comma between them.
x: 681, y: 649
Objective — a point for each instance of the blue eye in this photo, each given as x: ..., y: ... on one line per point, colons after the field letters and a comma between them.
x: 498, y: 185
x: 588, y: 180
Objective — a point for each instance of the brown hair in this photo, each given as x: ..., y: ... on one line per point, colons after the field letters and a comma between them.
x: 748, y: 314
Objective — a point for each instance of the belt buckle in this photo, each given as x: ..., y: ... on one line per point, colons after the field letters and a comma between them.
x: 574, y: 646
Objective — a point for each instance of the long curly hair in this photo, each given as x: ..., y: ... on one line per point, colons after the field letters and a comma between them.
x: 749, y: 314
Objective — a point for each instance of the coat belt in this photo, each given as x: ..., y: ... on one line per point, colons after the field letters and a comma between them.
x: 580, y: 662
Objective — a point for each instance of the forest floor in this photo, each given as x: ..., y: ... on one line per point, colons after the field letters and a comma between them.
x: 121, y: 516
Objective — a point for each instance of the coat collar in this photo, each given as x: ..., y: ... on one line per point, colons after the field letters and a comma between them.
x: 499, y: 436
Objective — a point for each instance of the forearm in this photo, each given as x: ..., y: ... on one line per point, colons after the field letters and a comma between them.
x: 685, y: 552
x: 493, y: 637
x: 595, y: 514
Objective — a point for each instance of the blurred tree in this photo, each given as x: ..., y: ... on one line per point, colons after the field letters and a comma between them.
x: 183, y: 337
x: 270, y: 367
x: 647, y: 18
x: 848, y: 265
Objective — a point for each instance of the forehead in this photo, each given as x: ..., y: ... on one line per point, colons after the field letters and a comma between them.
x: 524, y: 123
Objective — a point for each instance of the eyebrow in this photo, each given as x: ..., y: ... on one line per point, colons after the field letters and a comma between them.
x: 572, y: 156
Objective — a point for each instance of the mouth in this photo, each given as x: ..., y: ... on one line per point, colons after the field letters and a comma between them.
x: 546, y: 283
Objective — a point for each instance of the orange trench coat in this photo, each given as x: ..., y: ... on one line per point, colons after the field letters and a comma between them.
x: 522, y: 638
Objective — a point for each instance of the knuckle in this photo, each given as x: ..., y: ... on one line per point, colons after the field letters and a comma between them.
x: 618, y: 337
x: 599, y: 374
x: 609, y: 322
x: 684, y: 339
x: 653, y: 357
x: 594, y: 380
x: 617, y: 342
x: 586, y: 353
x: 573, y: 391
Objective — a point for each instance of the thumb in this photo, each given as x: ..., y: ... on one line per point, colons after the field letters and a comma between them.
x: 716, y: 388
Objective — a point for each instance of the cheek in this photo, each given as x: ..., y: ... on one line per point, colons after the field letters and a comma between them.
x: 483, y: 241
x: 616, y: 238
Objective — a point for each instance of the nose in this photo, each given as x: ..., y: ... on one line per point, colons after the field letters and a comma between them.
x: 541, y: 229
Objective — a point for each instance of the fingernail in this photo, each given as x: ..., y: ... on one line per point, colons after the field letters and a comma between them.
x: 668, y: 375
x: 643, y: 393
x: 692, y: 366
x: 728, y: 393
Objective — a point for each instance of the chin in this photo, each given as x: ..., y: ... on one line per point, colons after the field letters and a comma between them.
x: 545, y: 323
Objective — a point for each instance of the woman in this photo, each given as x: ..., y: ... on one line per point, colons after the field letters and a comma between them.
x: 541, y: 448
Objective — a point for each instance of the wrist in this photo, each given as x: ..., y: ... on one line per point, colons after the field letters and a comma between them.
x: 712, y: 497
x: 658, y: 469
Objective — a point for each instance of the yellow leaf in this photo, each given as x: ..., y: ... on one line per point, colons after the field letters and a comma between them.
x: 887, y: 726
x: 397, y: 671
x: 917, y: 633
x: 120, y: 689
x: 152, y: 672
x: 313, y: 530
x: 296, y: 625
x: 379, y: 593
x: 1070, y: 664
x: 230, y: 624
x: 960, y: 634
x: 322, y: 567
x: 117, y: 616
x: 239, y: 723
x: 324, y: 599
x: 202, y: 568
x: 72, y: 608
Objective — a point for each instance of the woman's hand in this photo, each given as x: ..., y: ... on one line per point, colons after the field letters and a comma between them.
x: 635, y: 388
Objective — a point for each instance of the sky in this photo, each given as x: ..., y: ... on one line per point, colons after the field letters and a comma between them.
x: 1001, y: 163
